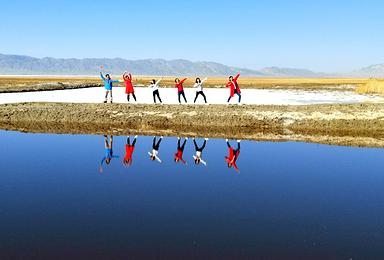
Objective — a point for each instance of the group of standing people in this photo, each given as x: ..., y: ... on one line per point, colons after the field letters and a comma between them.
x: 127, y: 77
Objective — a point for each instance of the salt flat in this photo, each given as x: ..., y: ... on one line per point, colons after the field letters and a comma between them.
x: 214, y: 96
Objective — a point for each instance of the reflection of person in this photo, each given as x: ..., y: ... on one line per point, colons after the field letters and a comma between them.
x: 199, y: 152
x: 128, y: 152
x: 155, y: 149
x: 108, y: 151
x: 199, y: 90
x: 180, y: 150
x: 233, y: 155
x: 155, y: 88
x: 108, y: 86
x: 234, y: 88
x: 128, y: 85
x: 180, y: 89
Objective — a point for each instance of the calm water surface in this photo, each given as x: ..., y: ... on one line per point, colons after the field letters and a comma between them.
x: 286, y: 200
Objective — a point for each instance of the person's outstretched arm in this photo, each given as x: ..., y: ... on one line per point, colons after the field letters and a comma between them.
x: 183, y: 80
x: 204, y: 79
x: 237, y: 76
x: 157, y: 82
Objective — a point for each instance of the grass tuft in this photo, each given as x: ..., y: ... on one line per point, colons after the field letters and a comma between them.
x: 372, y: 86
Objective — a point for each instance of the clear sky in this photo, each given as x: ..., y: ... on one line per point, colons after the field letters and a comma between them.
x: 320, y: 35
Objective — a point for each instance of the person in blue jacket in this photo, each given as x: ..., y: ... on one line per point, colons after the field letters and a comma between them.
x: 108, y: 86
x: 108, y: 152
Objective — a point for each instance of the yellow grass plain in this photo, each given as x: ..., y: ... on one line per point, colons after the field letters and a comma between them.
x: 244, y: 82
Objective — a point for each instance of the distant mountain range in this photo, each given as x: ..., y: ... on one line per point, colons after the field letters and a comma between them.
x: 25, y: 65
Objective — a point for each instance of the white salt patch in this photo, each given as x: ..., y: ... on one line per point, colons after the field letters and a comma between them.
x: 214, y: 96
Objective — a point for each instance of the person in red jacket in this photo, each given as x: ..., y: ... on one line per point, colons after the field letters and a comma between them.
x: 234, y: 88
x: 128, y: 152
x: 233, y: 155
x: 180, y: 89
x: 128, y: 85
x: 180, y: 150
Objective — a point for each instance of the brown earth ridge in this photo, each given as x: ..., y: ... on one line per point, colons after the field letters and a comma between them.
x: 335, y: 124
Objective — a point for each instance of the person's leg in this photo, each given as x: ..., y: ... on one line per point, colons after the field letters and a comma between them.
x: 182, y: 147
x: 110, y: 142
x: 154, y: 142
x: 196, y: 148
x: 106, y: 96
x: 178, y: 144
x: 128, y: 142
x: 154, y: 96
x: 110, y: 93
x: 229, y: 99
x: 158, y: 143
x: 134, y: 141
x: 229, y: 146
x: 184, y: 96
x: 239, y: 96
x: 197, y: 93
x: 205, y: 99
x: 158, y: 96
x: 106, y: 145
x: 134, y: 97
x: 128, y: 98
x: 178, y: 94
x: 201, y: 148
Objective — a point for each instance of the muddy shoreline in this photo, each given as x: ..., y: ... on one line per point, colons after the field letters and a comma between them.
x: 336, y: 124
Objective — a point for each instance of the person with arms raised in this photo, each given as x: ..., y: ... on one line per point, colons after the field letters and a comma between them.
x: 234, y: 88
x: 108, y: 86
x: 180, y: 89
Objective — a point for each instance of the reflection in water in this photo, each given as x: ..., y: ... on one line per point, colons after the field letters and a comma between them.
x: 199, y: 152
x: 108, y: 151
x: 233, y: 155
x: 180, y: 150
x: 286, y: 203
x: 155, y: 149
x: 128, y: 151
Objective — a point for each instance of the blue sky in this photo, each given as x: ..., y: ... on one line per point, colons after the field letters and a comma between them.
x: 323, y: 36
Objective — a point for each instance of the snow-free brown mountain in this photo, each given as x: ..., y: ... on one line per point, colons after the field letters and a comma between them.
x: 26, y: 65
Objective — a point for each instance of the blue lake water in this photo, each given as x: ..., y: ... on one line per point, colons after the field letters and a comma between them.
x: 287, y: 200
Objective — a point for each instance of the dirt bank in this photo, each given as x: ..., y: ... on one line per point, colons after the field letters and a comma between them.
x: 340, y: 124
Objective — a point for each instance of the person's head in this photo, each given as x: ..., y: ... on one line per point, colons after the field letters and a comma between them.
x: 197, y: 160
x: 107, y: 76
x: 229, y: 165
x: 176, y: 160
x: 126, y: 161
x: 230, y: 78
x: 108, y: 160
x: 126, y: 76
x: 153, y: 157
x: 153, y: 81
x: 177, y: 80
x: 198, y: 80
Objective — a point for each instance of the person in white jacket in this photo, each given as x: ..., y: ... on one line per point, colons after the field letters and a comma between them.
x: 155, y: 88
x: 155, y: 150
x: 199, y: 90
x: 199, y: 152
